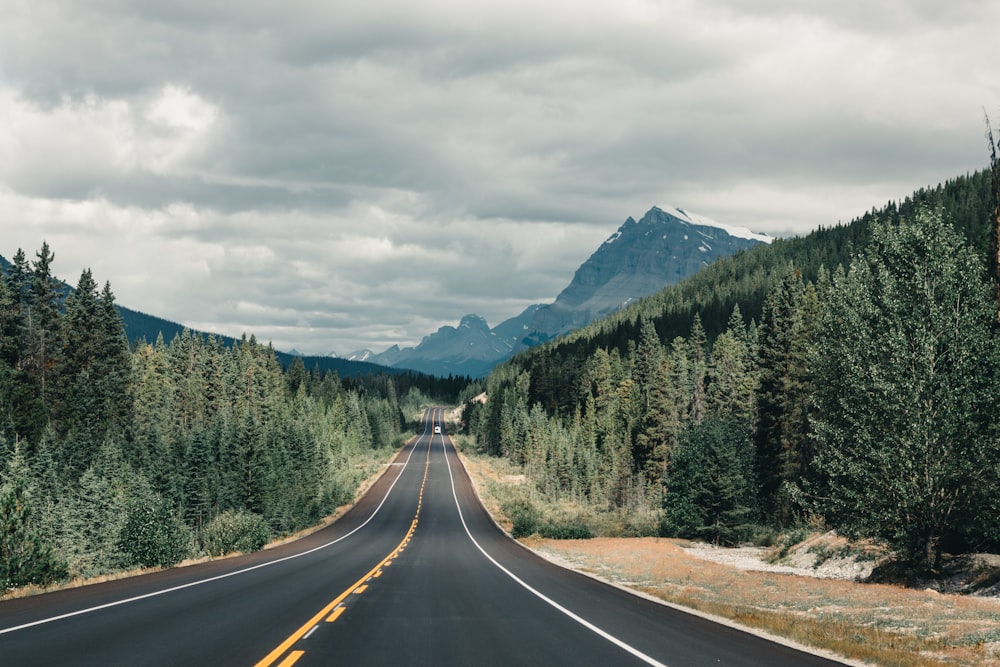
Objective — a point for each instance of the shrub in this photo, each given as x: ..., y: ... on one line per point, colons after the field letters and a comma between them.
x: 565, y: 531
x: 235, y: 531
x: 524, y: 516
x: 153, y: 536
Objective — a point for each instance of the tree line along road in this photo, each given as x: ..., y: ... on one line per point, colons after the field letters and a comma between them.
x: 415, y: 573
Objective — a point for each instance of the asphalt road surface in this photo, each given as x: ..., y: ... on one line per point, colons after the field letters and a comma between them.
x: 415, y: 574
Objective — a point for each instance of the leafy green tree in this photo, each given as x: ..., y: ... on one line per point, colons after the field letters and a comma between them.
x: 907, y: 392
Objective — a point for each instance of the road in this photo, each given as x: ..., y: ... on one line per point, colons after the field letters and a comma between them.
x: 415, y: 573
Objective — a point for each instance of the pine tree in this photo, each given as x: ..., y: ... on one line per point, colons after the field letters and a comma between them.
x: 113, y: 366
x: 43, y: 327
x: 699, y: 368
x: 9, y: 333
x: 783, y: 395
x: 732, y: 381
x: 79, y: 409
x: 26, y: 554
x: 710, y: 485
x: 994, y: 256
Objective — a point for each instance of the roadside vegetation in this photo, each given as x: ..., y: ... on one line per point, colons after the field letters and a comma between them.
x: 116, y: 457
x: 848, y: 379
x: 874, y: 623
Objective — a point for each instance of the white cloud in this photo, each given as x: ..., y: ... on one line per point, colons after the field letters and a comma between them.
x: 340, y: 175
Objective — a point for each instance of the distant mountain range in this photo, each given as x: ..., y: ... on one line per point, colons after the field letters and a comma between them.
x: 140, y: 326
x: 638, y: 260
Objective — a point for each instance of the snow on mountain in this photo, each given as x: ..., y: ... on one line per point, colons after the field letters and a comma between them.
x: 695, y: 219
x: 637, y: 260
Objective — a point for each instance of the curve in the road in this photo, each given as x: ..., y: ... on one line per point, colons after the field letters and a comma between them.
x: 199, y: 582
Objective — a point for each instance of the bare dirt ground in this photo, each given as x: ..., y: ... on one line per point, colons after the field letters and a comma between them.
x: 811, y: 558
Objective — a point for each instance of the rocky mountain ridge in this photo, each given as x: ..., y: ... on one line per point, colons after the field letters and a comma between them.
x: 639, y: 259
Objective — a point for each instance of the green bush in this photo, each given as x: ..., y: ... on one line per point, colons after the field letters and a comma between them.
x: 235, y: 531
x: 565, y: 531
x: 524, y: 516
x: 152, y: 536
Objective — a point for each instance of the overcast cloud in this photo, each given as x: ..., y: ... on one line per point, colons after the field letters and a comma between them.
x: 337, y: 175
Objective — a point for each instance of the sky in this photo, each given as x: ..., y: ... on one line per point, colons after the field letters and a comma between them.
x: 330, y: 176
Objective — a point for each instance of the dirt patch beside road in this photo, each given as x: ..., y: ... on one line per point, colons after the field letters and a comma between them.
x: 877, y: 623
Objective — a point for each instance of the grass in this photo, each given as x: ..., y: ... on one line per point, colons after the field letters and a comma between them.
x: 874, y: 623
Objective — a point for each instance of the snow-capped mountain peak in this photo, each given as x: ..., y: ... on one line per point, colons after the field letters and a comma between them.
x: 696, y: 219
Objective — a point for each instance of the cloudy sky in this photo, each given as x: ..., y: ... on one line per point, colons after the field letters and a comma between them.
x: 336, y: 175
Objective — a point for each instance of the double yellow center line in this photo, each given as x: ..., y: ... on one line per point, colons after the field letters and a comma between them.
x: 335, y: 608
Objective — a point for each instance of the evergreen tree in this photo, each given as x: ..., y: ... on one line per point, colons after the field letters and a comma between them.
x: 9, y: 346
x: 113, y: 367
x: 43, y: 327
x: 696, y: 345
x: 660, y: 425
x: 783, y: 395
x: 26, y: 555
x: 907, y: 393
x: 732, y: 382
x: 994, y: 255
x: 80, y: 409
x: 711, y: 492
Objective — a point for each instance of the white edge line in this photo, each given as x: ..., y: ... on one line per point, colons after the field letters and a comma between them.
x: 199, y: 582
x: 582, y: 621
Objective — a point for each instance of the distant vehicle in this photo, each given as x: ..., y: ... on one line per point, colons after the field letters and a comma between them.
x: 437, y: 429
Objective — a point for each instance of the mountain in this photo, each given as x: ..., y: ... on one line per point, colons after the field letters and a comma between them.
x: 639, y: 259
x: 470, y: 349
x: 746, y: 279
x: 516, y: 329
x: 358, y: 355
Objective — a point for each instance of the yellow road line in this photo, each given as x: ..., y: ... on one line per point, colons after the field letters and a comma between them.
x: 333, y: 609
x: 291, y: 659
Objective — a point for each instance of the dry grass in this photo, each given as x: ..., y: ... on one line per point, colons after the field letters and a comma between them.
x: 885, y: 625
x: 874, y: 623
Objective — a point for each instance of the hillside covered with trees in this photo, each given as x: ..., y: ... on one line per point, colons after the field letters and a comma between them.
x: 848, y: 378
x: 115, y: 456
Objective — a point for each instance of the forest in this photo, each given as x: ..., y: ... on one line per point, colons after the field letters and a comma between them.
x: 847, y: 379
x: 116, y: 456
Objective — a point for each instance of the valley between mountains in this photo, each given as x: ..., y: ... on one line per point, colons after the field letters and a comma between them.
x: 832, y: 395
